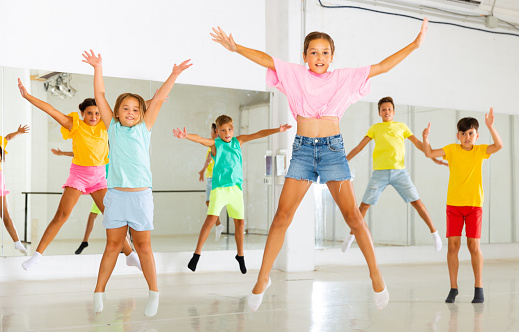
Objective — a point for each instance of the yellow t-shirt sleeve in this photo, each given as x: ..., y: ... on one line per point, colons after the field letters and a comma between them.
x: 448, y: 152
x: 4, y: 143
x: 406, y: 131
x: 371, y: 132
x: 67, y: 134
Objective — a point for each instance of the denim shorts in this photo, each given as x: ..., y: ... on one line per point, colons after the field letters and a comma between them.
x: 398, y: 178
x: 128, y: 208
x: 208, y: 188
x: 319, y: 159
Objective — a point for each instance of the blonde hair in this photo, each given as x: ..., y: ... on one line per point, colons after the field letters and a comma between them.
x: 121, y: 98
x: 223, y: 119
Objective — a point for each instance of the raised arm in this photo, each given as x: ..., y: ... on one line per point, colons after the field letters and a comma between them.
x: 263, y: 133
x: 261, y: 58
x: 358, y: 148
x: 21, y: 130
x: 393, y: 60
x: 58, y: 152
x: 193, y: 137
x: 498, y: 143
x: 155, y: 104
x: 62, y: 119
x: 99, y: 86
x: 429, y: 152
x: 420, y: 146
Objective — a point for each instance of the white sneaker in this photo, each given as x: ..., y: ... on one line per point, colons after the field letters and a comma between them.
x: 219, y: 230
x: 347, y: 243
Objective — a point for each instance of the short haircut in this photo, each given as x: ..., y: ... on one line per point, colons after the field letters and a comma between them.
x: 223, y: 119
x: 2, y: 155
x: 467, y: 124
x: 318, y: 35
x: 386, y: 100
x: 213, y: 127
x: 121, y: 98
x: 87, y: 103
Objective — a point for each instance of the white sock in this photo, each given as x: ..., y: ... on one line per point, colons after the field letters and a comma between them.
x: 218, y: 232
x: 98, y: 303
x: 153, y: 304
x: 437, y: 241
x: 35, y: 259
x: 382, y: 299
x: 133, y: 260
x: 19, y: 246
x: 347, y: 243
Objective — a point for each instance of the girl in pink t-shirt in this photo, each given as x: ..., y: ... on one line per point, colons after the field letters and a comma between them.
x: 317, y: 100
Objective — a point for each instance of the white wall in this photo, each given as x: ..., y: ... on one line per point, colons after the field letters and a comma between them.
x: 137, y: 39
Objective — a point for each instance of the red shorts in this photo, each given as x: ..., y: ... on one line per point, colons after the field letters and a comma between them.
x: 471, y: 216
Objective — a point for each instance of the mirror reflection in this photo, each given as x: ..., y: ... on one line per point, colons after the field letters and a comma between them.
x: 42, y: 168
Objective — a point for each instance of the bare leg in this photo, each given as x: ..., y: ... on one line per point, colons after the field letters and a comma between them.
x: 291, y: 196
x: 114, y: 242
x: 452, y: 259
x: 422, y: 211
x: 363, y: 208
x: 68, y: 201
x: 8, y: 222
x: 344, y: 195
x: 477, y: 260
x: 239, y: 228
x: 204, y: 232
x: 142, y: 242
x: 98, y: 197
x: 90, y: 225
x: 218, y: 223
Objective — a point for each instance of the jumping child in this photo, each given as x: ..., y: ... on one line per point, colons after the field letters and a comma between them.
x: 227, y: 181
x: 317, y: 100
x: 465, y: 196
x: 208, y: 171
x: 8, y: 222
x: 129, y: 200
x: 87, y: 171
x: 389, y: 167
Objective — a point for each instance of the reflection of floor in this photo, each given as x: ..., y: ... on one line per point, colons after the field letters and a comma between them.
x: 329, y: 299
x: 159, y: 244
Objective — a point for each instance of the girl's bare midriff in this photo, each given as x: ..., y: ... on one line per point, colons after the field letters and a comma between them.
x: 131, y: 189
x: 322, y: 127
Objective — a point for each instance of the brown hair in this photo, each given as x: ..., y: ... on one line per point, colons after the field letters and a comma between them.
x: 468, y: 123
x: 213, y: 128
x: 318, y: 35
x: 87, y: 103
x: 386, y: 100
x: 121, y: 98
x: 222, y: 119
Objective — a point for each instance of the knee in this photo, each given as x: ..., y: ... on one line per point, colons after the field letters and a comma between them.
x: 473, y: 248
x: 282, y: 219
x: 354, y: 220
x: 454, y: 248
x: 114, y: 245
x: 61, y: 216
x: 143, y: 248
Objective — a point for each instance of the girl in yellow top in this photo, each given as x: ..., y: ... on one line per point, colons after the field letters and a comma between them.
x: 87, y: 172
x: 9, y: 226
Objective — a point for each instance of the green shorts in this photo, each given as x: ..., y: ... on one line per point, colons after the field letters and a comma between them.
x: 95, y: 209
x: 231, y: 197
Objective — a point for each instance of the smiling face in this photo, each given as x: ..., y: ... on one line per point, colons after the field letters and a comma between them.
x: 468, y: 138
x: 318, y: 56
x: 129, y: 113
x: 386, y: 112
x: 91, y: 115
x: 226, y: 132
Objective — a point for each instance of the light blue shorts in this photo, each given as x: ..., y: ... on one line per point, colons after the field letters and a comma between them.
x: 398, y: 178
x: 319, y: 159
x: 208, y: 188
x: 125, y: 208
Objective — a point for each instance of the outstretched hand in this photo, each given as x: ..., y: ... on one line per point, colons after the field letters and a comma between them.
x: 201, y: 178
x: 179, y: 133
x: 421, y: 36
x: 426, y: 131
x: 284, y: 127
x: 92, y: 59
x: 23, y: 91
x: 23, y: 130
x: 220, y: 37
x: 440, y: 162
x: 57, y: 152
x: 177, y: 70
x: 489, y: 118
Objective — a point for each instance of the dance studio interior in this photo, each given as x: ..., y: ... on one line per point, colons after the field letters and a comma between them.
x: 467, y: 64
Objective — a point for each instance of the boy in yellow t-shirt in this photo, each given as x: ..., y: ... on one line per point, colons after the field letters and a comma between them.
x: 465, y: 195
x: 389, y: 168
